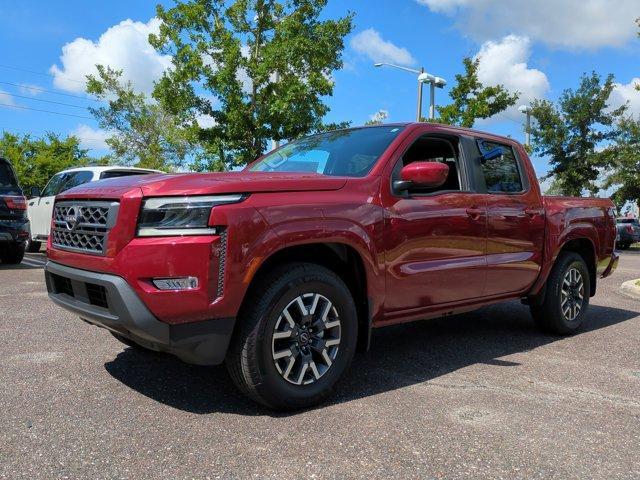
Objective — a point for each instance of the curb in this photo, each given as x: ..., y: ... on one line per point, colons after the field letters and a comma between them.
x: 630, y: 289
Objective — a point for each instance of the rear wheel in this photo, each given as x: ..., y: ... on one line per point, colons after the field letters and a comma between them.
x: 11, y: 253
x: 567, y: 296
x: 296, y: 338
x: 32, y: 246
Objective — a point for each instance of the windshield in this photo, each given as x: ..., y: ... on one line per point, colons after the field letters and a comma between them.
x: 64, y: 181
x: 350, y: 153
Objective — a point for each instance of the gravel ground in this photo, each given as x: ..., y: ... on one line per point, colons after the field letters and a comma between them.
x: 481, y: 395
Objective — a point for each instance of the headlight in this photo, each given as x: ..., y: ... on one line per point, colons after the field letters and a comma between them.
x: 164, y: 216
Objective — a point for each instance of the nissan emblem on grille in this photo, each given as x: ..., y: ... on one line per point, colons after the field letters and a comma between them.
x: 83, y: 226
x: 71, y: 218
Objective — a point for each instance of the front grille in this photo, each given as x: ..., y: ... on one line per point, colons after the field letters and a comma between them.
x: 83, y: 226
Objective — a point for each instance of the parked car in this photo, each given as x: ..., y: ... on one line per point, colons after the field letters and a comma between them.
x: 628, y: 232
x: 283, y: 269
x: 14, y: 225
x: 40, y: 204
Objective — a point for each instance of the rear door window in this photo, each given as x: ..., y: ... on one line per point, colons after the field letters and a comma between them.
x: 501, y: 174
x: 122, y: 173
x: 8, y: 182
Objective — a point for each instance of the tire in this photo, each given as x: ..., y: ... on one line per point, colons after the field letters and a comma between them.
x: 264, y: 332
x: 564, y: 287
x: 32, y: 246
x: 11, y: 254
x: 624, y: 246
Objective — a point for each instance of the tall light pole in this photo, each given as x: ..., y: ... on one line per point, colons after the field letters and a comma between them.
x: 423, y: 77
x: 411, y: 70
x: 526, y: 109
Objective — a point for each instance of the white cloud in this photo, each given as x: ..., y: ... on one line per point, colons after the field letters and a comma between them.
x: 623, y: 93
x: 573, y: 24
x: 6, y: 98
x: 91, y: 138
x: 370, y: 43
x: 124, y: 47
x: 505, y: 62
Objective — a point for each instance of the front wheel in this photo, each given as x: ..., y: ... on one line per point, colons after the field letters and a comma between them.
x: 567, y: 296
x: 296, y: 337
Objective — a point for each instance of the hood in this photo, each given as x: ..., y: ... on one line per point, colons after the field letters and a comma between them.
x: 208, y: 183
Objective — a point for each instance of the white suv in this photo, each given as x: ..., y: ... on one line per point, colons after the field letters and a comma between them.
x: 40, y: 207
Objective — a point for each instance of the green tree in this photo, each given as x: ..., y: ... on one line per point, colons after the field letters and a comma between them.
x: 471, y: 100
x: 622, y: 160
x: 259, y: 68
x: 571, y: 132
x: 36, y: 160
x: 142, y: 131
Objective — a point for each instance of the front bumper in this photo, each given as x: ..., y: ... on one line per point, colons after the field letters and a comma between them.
x: 108, y: 301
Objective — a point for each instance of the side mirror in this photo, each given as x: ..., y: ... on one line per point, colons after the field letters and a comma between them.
x: 422, y: 174
x: 34, y: 192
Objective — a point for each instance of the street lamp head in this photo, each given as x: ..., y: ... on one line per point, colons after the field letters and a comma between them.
x: 524, y: 108
x: 378, y: 64
x: 426, y: 78
x: 440, y: 82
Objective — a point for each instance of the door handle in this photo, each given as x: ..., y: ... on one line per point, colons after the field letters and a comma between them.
x: 532, y: 212
x: 46, y: 203
x: 474, y: 212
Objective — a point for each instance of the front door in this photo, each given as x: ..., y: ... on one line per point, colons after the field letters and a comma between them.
x: 435, y: 240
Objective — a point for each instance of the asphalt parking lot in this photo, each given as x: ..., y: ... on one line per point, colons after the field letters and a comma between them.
x: 482, y: 395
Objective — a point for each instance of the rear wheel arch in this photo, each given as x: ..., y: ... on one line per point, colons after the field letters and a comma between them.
x: 586, y: 249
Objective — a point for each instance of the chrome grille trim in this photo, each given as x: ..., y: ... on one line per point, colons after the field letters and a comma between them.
x: 83, y: 226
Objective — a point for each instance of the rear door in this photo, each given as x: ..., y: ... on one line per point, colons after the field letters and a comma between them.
x: 515, y: 217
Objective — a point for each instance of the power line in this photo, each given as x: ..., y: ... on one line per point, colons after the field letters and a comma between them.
x: 43, y: 100
x: 20, y: 69
x: 39, y: 89
x: 45, y: 111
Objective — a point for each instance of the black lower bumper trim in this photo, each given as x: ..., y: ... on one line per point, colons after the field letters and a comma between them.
x: 202, y: 343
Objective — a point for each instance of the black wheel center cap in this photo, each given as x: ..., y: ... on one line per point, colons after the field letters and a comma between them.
x: 304, y: 338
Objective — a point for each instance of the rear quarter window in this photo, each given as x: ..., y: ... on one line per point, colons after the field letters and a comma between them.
x: 501, y: 174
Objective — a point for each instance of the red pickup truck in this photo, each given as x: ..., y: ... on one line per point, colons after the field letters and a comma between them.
x: 282, y: 270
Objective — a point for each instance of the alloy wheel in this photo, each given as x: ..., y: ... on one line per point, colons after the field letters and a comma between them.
x: 572, y: 294
x: 306, y: 339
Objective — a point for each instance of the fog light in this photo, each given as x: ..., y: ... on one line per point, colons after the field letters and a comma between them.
x: 178, y: 283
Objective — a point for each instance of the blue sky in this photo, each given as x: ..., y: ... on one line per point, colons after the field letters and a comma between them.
x: 537, y: 47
